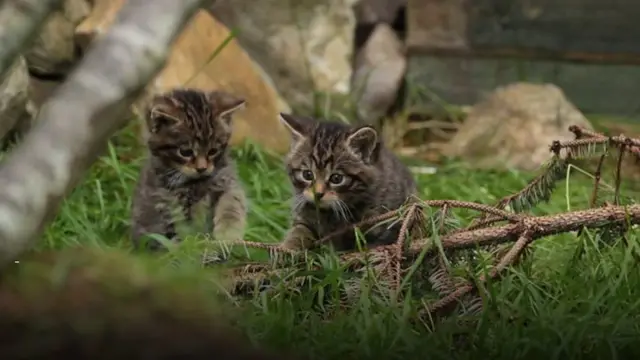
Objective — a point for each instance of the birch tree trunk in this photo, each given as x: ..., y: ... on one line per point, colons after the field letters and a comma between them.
x: 76, y: 123
x: 20, y: 23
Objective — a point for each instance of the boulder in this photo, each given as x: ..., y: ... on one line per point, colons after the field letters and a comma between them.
x: 16, y: 110
x: 305, y: 45
x: 190, y: 65
x: 514, y: 126
x: 379, y: 70
x: 54, y: 51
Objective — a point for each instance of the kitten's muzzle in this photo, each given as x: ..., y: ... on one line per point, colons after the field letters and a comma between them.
x: 320, y: 195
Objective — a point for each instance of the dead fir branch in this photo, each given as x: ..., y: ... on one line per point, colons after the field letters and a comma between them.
x: 407, y: 222
x: 74, y: 126
x: 588, y: 144
x: 508, y: 259
x: 20, y: 23
x: 382, y: 258
x: 450, y: 204
x: 441, y: 280
x: 391, y: 262
x: 545, y: 225
x: 596, y: 182
x: 633, y: 145
x: 537, y: 190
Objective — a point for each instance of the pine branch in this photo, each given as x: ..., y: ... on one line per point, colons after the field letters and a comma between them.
x: 446, y: 303
x: 541, y: 187
x: 596, y: 182
x: 539, y: 190
x: 381, y: 257
x: 388, y: 263
x: 633, y: 145
x: 545, y: 225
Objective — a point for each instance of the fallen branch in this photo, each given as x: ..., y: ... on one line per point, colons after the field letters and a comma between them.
x: 545, y: 225
x: 507, y: 260
x: 579, y: 132
x: 390, y: 262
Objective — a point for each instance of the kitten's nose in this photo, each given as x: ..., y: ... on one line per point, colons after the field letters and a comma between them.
x: 201, y: 164
x: 318, y: 190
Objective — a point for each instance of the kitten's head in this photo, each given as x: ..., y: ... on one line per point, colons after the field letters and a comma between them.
x: 331, y: 164
x: 190, y: 130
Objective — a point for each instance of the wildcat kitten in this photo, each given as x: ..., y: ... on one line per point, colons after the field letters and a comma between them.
x: 189, y: 165
x: 349, y: 173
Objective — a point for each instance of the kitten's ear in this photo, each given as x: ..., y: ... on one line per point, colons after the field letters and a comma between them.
x: 163, y: 111
x: 297, y: 126
x: 226, y: 104
x: 363, y: 141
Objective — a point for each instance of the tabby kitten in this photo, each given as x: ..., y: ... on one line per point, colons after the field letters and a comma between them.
x: 341, y: 175
x: 188, y: 165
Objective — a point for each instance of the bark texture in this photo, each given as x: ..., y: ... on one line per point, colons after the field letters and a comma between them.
x: 74, y: 125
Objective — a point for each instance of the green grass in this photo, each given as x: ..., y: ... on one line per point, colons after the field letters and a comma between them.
x: 556, y: 305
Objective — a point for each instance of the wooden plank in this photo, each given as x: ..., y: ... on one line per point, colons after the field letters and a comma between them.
x: 593, y: 88
x: 440, y: 24
x: 593, y: 26
x: 572, y: 30
x: 528, y: 54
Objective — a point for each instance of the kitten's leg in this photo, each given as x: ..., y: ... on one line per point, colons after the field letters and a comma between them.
x: 383, y: 234
x: 230, y: 214
x: 150, y: 217
x: 299, y: 237
x: 380, y: 234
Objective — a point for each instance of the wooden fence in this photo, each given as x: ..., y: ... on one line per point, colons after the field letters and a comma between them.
x: 462, y: 49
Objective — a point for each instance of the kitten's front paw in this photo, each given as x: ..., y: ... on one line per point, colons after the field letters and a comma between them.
x: 298, y: 238
x: 292, y: 243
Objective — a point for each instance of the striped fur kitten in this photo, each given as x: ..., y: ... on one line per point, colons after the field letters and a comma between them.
x: 341, y: 175
x: 189, y: 167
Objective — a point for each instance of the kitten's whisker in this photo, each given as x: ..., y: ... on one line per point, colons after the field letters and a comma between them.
x: 298, y: 202
x: 176, y: 179
x: 344, y: 212
x: 341, y: 210
x: 348, y: 213
x: 337, y: 209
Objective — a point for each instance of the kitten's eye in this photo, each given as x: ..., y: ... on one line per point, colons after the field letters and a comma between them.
x: 307, y: 175
x: 336, y: 179
x: 185, y: 152
x: 211, y: 153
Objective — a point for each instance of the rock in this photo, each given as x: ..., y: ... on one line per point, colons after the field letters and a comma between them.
x: 303, y: 45
x: 189, y: 65
x: 379, y: 70
x: 514, y: 127
x: 54, y: 50
x: 16, y: 110
x: 40, y: 90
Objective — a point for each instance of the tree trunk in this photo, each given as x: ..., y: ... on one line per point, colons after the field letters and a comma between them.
x: 75, y: 124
